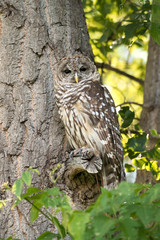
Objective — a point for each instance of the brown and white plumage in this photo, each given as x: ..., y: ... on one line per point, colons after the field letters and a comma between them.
x: 89, y: 115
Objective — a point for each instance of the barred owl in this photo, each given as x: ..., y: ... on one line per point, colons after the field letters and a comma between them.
x: 89, y: 116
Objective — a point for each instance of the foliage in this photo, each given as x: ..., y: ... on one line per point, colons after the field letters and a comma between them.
x: 120, y: 22
x: 135, y: 144
x: 117, y: 22
x: 155, y: 27
x: 130, y: 212
x: 127, y: 116
x: 118, y: 29
x: 119, y: 33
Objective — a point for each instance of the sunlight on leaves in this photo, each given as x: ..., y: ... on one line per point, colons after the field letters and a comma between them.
x: 26, y: 177
x: 17, y: 187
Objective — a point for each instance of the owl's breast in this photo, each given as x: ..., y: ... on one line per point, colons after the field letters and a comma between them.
x: 79, y: 128
x: 74, y: 123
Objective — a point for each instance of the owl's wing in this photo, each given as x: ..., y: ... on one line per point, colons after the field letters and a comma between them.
x: 103, y: 116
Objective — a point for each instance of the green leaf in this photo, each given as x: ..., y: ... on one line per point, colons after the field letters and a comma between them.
x: 77, y: 225
x: 138, y: 127
x: 48, y: 236
x: 2, y: 203
x: 103, y: 225
x: 34, y: 212
x: 27, y: 178
x: 17, y: 187
x: 130, y: 30
x: 53, y: 191
x: 153, y: 154
x: 129, y: 227
x: 140, y: 162
x: 132, y: 154
x: 59, y: 226
x: 137, y: 143
x: 34, y: 170
x: 30, y: 191
x: 105, y: 35
x: 152, y: 194
x: 153, y: 132
x: 127, y: 116
x: 41, y: 196
x: 129, y: 168
x: 146, y: 213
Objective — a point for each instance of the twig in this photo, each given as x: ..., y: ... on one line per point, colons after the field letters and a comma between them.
x: 130, y: 131
x: 38, y: 209
x: 109, y: 67
x: 54, y: 220
x: 135, y: 103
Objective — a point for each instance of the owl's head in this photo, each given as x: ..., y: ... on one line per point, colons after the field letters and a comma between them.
x: 77, y: 69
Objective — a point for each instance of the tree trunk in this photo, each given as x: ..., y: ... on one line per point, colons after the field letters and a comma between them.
x: 34, y: 36
x: 151, y: 107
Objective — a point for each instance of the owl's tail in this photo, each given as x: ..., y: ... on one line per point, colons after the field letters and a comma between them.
x: 112, y: 173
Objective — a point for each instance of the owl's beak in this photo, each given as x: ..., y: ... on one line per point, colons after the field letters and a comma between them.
x: 76, y: 77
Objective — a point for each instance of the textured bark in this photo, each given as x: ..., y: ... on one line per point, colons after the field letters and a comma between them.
x: 151, y: 108
x: 150, y: 116
x: 34, y: 35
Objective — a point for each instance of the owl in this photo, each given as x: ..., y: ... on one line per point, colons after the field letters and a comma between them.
x: 90, y: 119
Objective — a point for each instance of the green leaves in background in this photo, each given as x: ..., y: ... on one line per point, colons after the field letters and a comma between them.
x: 135, y: 146
x: 113, y: 23
x: 137, y: 143
x: 129, y: 168
x: 155, y: 21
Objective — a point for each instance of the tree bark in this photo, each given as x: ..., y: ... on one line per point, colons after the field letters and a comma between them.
x: 150, y: 115
x: 151, y: 108
x: 34, y: 36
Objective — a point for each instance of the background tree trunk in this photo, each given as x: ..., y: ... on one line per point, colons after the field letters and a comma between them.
x: 150, y: 117
x: 34, y: 36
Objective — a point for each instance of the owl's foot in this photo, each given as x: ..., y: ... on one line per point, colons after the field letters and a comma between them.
x: 89, y: 161
x: 84, y: 153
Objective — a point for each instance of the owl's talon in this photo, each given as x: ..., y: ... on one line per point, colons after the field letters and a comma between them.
x: 88, y: 160
x: 84, y: 153
x: 75, y: 153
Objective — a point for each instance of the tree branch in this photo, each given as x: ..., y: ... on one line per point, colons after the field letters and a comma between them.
x: 126, y: 131
x: 109, y: 67
x: 135, y: 103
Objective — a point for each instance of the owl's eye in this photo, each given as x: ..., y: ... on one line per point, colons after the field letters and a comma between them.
x: 67, y: 71
x: 83, y: 69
